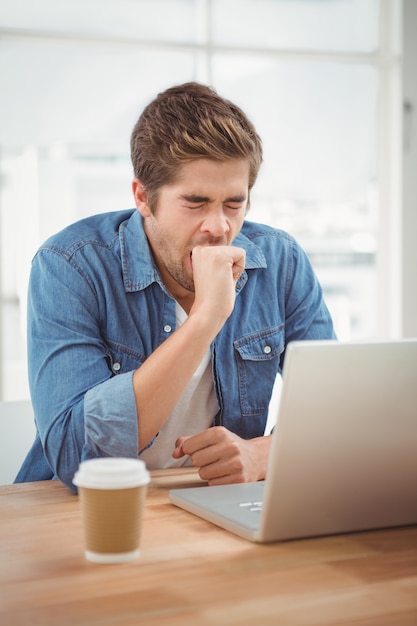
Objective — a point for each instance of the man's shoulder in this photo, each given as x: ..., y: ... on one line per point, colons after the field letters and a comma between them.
x: 99, y: 229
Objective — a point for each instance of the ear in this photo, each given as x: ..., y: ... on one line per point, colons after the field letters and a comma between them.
x: 141, y: 198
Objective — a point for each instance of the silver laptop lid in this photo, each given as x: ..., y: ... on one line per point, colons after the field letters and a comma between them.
x: 345, y: 450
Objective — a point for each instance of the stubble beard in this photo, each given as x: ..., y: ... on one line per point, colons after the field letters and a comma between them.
x: 178, y: 272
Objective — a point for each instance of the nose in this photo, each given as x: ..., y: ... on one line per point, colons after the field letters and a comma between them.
x: 215, y: 223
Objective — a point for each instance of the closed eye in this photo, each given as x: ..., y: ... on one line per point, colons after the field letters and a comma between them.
x: 233, y: 207
x: 194, y: 199
x: 235, y: 202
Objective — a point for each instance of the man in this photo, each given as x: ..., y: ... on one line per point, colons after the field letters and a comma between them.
x: 159, y: 331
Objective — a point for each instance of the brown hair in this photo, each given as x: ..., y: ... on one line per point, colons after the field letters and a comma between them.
x: 185, y: 123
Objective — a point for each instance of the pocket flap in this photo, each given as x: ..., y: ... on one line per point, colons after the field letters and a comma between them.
x: 262, y: 345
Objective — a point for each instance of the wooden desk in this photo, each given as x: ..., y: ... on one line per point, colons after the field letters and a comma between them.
x: 193, y: 573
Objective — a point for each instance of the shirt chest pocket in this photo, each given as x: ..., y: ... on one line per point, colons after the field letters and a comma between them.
x: 258, y: 358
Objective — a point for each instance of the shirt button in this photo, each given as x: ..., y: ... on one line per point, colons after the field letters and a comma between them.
x: 267, y: 349
x: 167, y: 328
x: 116, y: 367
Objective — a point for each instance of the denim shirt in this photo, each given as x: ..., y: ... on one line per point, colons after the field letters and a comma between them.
x: 97, y: 308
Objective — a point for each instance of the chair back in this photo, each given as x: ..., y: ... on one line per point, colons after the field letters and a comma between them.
x: 17, y: 433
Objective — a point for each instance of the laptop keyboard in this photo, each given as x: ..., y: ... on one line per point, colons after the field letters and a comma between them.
x: 251, y: 506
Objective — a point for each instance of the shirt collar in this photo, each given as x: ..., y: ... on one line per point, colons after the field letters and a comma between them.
x: 255, y: 257
x: 138, y: 266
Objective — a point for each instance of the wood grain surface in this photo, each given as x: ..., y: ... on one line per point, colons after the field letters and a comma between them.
x: 193, y: 573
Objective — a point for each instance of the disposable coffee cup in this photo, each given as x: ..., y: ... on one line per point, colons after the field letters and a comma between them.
x: 112, y: 493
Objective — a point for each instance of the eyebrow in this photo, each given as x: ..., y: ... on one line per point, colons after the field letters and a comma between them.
x: 194, y: 198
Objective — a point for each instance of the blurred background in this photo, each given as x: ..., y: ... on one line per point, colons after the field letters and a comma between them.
x: 329, y: 84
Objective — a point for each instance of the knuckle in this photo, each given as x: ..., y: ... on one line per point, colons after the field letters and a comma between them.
x: 233, y: 451
x: 238, y: 466
x: 204, y: 475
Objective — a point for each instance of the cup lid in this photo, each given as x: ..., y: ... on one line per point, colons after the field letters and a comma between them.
x: 111, y: 473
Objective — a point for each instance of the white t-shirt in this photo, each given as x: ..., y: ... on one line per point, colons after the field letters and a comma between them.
x: 194, y: 412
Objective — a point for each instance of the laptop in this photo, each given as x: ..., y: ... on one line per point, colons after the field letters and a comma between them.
x: 344, y: 450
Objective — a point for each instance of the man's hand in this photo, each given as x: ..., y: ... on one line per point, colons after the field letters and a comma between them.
x: 222, y: 457
x: 216, y: 269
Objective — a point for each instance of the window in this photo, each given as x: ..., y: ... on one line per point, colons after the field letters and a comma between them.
x: 316, y: 77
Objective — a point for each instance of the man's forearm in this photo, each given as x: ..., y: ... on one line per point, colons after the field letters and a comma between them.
x: 160, y: 381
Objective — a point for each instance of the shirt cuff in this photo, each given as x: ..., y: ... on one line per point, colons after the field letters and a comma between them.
x: 111, y: 425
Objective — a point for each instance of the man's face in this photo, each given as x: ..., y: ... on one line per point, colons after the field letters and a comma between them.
x: 205, y: 206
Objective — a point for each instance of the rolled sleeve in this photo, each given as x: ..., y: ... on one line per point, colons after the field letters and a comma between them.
x: 110, y: 421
